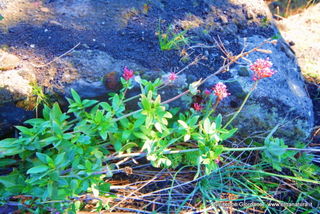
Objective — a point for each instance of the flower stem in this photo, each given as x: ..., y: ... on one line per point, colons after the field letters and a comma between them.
x: 242, y: 105
x: 167, y: 152
x: 244, y: 149
x: 213, y: 108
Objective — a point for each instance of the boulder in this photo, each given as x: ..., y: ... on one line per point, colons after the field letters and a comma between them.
x: 16, y: 79
x: 8, y: 61
x: 278, y: 100
x: 98, y: 74
x: 15, y: 87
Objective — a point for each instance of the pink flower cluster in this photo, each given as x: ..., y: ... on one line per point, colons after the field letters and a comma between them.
x: 173, y: 76
x: 197, y: 106
x: 262, y: 69
x: 207, y: 92
x: 220, y: 90
x: 127, y: 73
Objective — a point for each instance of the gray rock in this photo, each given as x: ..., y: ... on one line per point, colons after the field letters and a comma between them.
x: 278, y: 100
x: 16, y: 79
x: 8, y: 61
x: 15, y: 85
x: 97, y: 73
x: 10, y: 116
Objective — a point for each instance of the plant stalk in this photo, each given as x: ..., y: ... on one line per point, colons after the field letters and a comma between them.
x: 242, y: 105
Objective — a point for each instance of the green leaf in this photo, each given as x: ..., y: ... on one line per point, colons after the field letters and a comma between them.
x: 1, y: 17
x: 98, y: 117
x: 126, y: 134
x: 193, y: 87
x: 37, y: 169
x: 7, y: 143
x: 275, y: 152
x: 128, y: 146
x: 42, y: 157
x: 6, y: 162
x: 104, y: 134
x: 146, y: 103
x: 125, y: 123
x: 183, y: 124
x: 50, y: 189
x: 140, y: 135
x: 75, y: 161
x: 88, y: 165
x: 229, y: 134
x: 12, y: 180
x: 218, y: 121
x: 117, y: 145
x: 57, y: 129
x: 94, y: 190
x: 186, y: 137
x: 87, y: 103
x: 116, y: 102
x: 167, y: 115
x: 10, y: 146
x: 74, y: 184
x: 276, y: 36
x: 104, y: 187
x: 140, y: 120
x: 25, y: 130
x: 149, y: 122
x: 75, y: 96
x: 35, y: 121
x: 98, y: 154
x: 55, y: 112
x: 276, y: 147
x: 59, y: 159
x: 158, y: 127
x: 106, y: 106
x: 207, y: 126
x: 76, y: 206
x: 193, y: 120
x: 46, y: 112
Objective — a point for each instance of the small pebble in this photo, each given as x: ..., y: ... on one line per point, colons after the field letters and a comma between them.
x: 291, y: 43
x: 45, y: 9
x: 85, y: 46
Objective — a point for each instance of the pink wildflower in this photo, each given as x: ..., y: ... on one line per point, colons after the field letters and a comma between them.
x: 173, y: 76
x: 262, y: 69
x: 197, y: 107
x: 207, y: 92
x: 220, y: 90
x: 217, y: 160
x: 127, y: 73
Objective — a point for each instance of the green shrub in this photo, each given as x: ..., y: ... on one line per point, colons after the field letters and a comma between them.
x: 61, y: 156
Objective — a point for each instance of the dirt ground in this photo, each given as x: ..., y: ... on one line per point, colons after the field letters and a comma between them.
x: 50, y: 29
x: 302, y: 32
